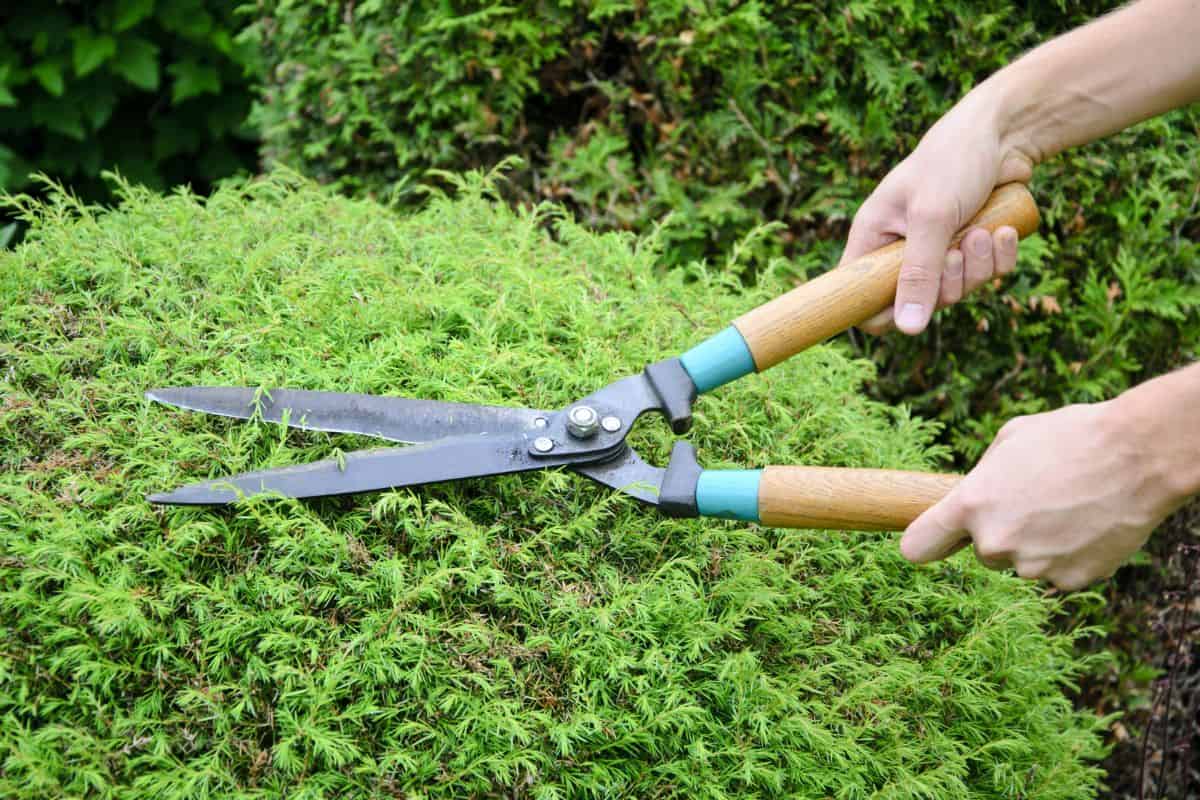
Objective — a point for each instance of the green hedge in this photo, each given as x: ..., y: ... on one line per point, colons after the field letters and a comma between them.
x: 726, y: 115
x: 531, y: 635
x: 159, y: 89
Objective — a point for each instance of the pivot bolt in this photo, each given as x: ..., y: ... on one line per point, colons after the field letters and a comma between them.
x: 611, y: 424
x: 543, y: 444
x: 583, y: 422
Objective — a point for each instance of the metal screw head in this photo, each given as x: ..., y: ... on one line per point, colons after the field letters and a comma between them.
x: 583, y: 422
x: 543, y: 444
x: 611, y: 424
x: 540, y: 422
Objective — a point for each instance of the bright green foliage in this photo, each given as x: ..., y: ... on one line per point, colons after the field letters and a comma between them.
x: 525, y: 636
x: 727, y: 114
x: 156, y: 88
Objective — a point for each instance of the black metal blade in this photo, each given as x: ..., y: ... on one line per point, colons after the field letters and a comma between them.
x: 372, y: 470
x: 398, y: 419
x: 629, y: 474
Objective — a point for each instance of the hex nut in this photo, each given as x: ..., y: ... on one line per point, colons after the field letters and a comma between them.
x: 583, y: 422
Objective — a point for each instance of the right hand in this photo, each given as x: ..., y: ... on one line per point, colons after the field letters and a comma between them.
x: 925, y: 200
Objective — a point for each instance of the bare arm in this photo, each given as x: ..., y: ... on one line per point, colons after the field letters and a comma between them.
x: 1139, y: 61
x: 1130, y: 65
x: 1163, y: 417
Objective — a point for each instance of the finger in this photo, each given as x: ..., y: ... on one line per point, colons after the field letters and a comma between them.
x: 952, y: 279
x: 1031, y: 569
x: 963, y: 542
x: 867, y: 234
x: 935, y: 534
x: 930, y: 227
x: 1010, y: 429
x: 1072, y: 580
x: 993, y: 562
x: 980, y: 262
x: 1004, y: 243
x: 879, y: 324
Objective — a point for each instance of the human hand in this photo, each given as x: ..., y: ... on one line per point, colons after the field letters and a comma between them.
x: 925, y: 200
x: 1064, y: 496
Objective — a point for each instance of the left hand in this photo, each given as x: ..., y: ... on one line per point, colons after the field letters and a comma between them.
x: 1064, y: 496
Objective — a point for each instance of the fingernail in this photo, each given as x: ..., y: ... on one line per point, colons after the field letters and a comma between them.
x: 954, y: 264
x: 1008, y: 237
x: 982, y: 245
x: 911, y: 317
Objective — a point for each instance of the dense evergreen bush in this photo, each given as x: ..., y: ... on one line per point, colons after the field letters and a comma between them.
x: 159, y: 89
x: 729, y: 114
x: 525, y: 636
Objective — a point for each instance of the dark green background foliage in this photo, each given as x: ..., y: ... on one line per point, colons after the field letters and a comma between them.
x: 526, y: 636
x: 158, y: 89
x: 727, y: 115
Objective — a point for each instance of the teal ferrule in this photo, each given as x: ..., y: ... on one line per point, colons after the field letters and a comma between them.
x: 728, y: 493
x: 718, y: 360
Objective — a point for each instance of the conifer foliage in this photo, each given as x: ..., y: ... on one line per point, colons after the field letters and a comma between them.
x: 524, y: 636
x: 722, y: 115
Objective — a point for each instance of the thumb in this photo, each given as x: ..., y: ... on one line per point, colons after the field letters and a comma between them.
x: 937, y: 533
x: 868, y: 232
x: 930, y: 228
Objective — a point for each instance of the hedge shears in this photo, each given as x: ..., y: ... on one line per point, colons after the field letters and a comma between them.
x: 456, y: 441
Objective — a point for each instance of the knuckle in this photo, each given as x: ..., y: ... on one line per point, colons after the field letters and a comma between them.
x: 918, y: 276
x: 1029, y: 571
x: 971, y: 499
x: 1012, y: 427
x: 989, y: 547
x: 1070, y: 582
x: 933, y: 211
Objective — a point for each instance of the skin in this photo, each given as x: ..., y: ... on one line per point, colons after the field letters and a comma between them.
x: 1065, y: 496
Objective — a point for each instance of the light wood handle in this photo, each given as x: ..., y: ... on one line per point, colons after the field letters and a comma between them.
x: 855, y: 292
x: 848, y: 499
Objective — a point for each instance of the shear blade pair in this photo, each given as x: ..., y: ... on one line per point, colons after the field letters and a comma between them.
x: 448, y: 441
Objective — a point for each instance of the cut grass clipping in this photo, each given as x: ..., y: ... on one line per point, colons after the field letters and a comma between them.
x: 525, y: 636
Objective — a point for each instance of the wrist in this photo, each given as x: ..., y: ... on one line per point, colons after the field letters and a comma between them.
x: 1158, y: 424
x: 1021, y: 120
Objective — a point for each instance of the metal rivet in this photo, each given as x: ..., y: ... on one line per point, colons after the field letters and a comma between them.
x: 611, y: 424
x: 583, y: 422
x: 543, y: 444
x: 540, y: 422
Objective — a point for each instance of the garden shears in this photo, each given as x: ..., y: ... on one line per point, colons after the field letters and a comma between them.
x: 456, y: 441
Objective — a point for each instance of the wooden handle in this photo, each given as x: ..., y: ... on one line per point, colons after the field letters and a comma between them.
x: 848, y: 499
x: 855, y: 292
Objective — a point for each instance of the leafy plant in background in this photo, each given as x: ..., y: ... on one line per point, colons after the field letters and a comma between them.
x: 528, y: 636
x: 158, y: 89
x: 721, y: 116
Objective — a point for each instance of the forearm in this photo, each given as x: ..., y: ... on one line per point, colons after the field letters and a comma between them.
x: 1127, y: 66
x: 1160, y: 422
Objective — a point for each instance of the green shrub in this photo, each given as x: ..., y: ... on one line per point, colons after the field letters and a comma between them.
x: 158, y: 89
x: 728, y: 114
x: 531, y: 635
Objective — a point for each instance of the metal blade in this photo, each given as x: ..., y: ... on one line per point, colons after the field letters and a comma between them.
x: 628, y: 474
x: 372, y: 470
x: 398, y: 419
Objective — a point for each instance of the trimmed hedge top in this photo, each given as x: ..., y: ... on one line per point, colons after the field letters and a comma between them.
x: 525, y: 636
